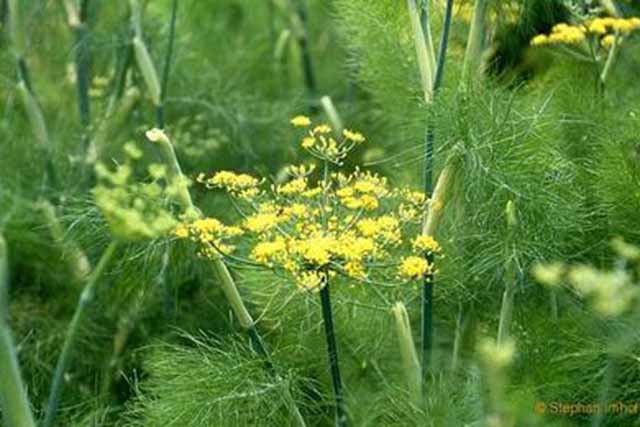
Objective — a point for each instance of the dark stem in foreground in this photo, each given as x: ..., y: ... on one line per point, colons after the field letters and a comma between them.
x: 427, y: 287
x: 427, y: 319
x: 327, y: 316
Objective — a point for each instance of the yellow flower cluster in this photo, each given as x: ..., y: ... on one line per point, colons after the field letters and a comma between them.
x: 608, y: 24
x: 135, y: 210
x: 426, y: 244
x: 561, y: 33
x: 414, y: 268
x: 361, y: 190
x: 316, y: 225
x: 321, y: 142
x: 210, y: 233
x: 606, y: 28
x: 241, y: 185
x: 610, y: 292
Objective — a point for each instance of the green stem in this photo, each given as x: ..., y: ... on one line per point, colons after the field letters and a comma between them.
x: 475, y: 42
x: 160, y: 108
x: 175, y: 171
x: 444, y: 43
x: 332, y: 349
x: 333, y: 115
x: 611, y: 59
x: 506, y: 311
x: 307, y: 61
x: 408, y: 353
x: 457, y: 340
x: 427, y: 320
x: 424, y: 52
x: 86, y: 298
x: 241, y: 313
x: 13, y: 395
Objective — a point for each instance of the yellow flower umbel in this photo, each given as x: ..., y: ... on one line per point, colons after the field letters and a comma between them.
x: 135, y: 210
x: 323, y: 144
x: 318, y: 224
x: 212, y: 235
x: 420, y: 267
x: 301, y: 121
x: 604, y: 29
x: 414, y: 268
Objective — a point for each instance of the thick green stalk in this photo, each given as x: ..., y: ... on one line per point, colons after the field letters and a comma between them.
x: 25, y: 90
x: 611, y: 59
x: 331, y: 112
x: 16, y: 30
x: 424, y: 52
x: 437, y: 82
x: 14, y: 401
x: 148, y: 70
x: 241, y: 313
x: 332, y: 350
x: 433, y: 214
x: 175, y: 171
x: 34, y: 113
x: 431, y: 221
x: 77, y: 321
x: 167, y: 65
x: 475, y: 42
x: 300, y: 25
x: 506, y: 310
x: 444, y: 44
x: 410, y: 361
x: 77, y: 20
x: 425, y: 24
x: 230, y: 291
x: 78, y: 261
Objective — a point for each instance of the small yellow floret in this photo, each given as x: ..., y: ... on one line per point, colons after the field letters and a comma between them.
x: 426, y: 243
x: 356, y: 137
x: 414, y: 267
x: 301, y: 121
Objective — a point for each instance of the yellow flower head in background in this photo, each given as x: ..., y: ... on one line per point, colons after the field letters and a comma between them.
x: 134, y: 210
x: 605, y: 28
x: 301, y: 121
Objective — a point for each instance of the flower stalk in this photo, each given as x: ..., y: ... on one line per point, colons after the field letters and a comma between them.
x: 332, y: 349
x: 176, y: 176
x: 410, y: 361
x: 247, y: 323
x: 300, y: 23
x: 333, y: 115
x: 433, y: 215
x: 431, y: 73
x: 25, y: 90
x: 78, y: 261
x: 14, y: 401
x: 81, y: 311
x: 424, y: 51
x: 475, y: 42
x: 506, y: 310
x: 77, y: 20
